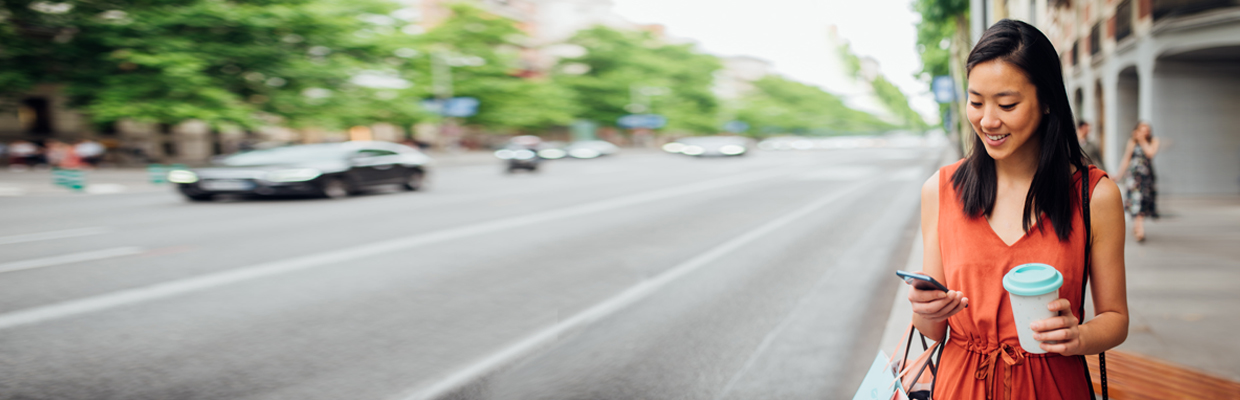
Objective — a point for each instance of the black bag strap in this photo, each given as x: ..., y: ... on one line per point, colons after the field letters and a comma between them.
x: 931, y: 363
x: 1089, y: 241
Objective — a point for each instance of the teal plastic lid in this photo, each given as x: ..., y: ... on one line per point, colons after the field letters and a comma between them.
x: 1032, y: 280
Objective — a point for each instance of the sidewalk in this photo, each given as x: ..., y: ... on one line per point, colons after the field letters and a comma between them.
x: 1183, y: 292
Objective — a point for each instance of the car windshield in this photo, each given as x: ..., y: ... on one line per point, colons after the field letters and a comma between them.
x: 286, y: 155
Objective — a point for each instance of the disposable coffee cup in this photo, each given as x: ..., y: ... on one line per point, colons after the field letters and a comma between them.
x: 1030, y: 288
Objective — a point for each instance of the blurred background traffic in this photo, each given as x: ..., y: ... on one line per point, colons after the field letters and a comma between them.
x: 545, y: 198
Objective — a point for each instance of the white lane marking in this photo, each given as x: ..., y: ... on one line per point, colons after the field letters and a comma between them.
x: 177, y: 287
x: 851, y: 257
x: 106, y: 188
x: 631, y: 295
x: 32, y: 237
x: 69, y: 259
x: 9, y: 191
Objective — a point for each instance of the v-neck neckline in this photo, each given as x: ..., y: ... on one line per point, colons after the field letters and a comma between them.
x: 1018, y: 240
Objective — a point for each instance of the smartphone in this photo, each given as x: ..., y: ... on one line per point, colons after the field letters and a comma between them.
x: 923, y: 282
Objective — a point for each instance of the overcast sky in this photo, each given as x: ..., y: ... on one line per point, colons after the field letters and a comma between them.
x: 792, y: 34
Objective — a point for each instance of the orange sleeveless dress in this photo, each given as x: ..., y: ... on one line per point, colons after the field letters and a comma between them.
x: 983, y: 358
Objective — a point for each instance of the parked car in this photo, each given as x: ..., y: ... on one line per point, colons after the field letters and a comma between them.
x: 331, y: 170
x: 703, y: 146
x: 591, y: 149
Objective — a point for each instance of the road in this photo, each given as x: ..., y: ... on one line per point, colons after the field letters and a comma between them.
x: 643, y: 276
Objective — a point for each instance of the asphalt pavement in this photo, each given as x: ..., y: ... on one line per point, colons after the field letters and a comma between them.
x: 645, y: 275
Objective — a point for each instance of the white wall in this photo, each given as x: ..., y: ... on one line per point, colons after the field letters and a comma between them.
x: 1197, y: 115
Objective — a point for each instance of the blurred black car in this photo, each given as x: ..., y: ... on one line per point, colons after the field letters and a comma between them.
x: 331, y: 170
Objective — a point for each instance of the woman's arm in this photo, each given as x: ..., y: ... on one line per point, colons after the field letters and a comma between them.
x: 1149, y: 147
x: 1123, y: 164
x: 1109, y: 326
x: 931, y: 308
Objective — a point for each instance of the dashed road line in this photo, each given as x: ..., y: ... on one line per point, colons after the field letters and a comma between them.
x: 33, y: 237
x: 69, y: 259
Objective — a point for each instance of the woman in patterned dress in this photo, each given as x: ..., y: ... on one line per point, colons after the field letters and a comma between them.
x: 1142, y: 185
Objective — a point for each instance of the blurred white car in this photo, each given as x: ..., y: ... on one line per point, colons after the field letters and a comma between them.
x: 591, y: 149
x: 705, y: 146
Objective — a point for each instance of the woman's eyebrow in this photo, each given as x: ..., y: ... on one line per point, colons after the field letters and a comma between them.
x: 1000, y: 94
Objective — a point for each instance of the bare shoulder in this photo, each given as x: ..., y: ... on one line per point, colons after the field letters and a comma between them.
x: 1104, y: 192
x: 1106, y: 203
x: 931, y: 187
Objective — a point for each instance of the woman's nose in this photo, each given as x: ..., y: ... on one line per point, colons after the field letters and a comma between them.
x: 990, y: 120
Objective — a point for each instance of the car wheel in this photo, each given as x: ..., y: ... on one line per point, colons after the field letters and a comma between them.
x: 199, y: 197
x: 414, y: 182
x: 336, y: 189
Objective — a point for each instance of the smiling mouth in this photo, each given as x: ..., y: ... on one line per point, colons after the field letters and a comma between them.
x: 997, y: 137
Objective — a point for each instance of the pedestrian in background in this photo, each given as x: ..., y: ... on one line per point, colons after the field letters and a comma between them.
x: 1138, y: 167
x: 1015, y: 200
x: 63, y: 155
x: 1088, y: 146
x: 23, y: 155
x: 90, y: 151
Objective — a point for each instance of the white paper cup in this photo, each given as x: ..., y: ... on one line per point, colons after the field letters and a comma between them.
x: 1030, y: 288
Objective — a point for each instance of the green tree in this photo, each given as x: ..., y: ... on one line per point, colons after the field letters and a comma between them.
x: 781, y: 106
x: 943, y: 42
x: 891, y: 96
x: 221, y: 62
x: 620, y: 68
x: 482, y: 52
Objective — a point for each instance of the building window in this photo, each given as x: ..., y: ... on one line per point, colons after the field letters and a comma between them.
x: 1095, y: 41
x: 1171, y: 8
x: 1123, y: 20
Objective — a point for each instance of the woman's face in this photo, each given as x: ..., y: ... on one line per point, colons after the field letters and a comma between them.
x: 1142, y: 132
x: 1003, y: 109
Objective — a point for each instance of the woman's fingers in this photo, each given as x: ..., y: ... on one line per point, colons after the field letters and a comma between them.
x: 1059, y: 305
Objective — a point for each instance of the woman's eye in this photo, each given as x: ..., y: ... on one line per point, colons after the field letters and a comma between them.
x: 975, y: 104
x: 1007, y: 107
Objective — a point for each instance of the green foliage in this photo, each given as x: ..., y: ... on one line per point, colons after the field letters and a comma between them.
x: 221, y: 62
x: 622, y: 63
x: 938, y: 25
x: 508, y: 101
x: 781, y: 106
x: 897, y: 103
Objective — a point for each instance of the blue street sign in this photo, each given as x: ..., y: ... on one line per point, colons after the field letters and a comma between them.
x: 736, y: 126
x: 944, y: 89
x: 455, y: 107
x: 648, y: 121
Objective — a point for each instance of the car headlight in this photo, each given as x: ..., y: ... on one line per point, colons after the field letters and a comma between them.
x: 524, y: 154
x: 732, y: 149
x: 552, y: 154
x: 293, y: 175
x: 674, y: 147
x: 182, y: 176
x: 693, y: 150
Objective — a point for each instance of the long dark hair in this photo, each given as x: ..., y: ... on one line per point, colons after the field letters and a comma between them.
x: 1051, y: 193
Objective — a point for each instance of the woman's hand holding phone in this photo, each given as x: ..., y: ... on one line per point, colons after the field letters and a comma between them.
x: 936, y: 305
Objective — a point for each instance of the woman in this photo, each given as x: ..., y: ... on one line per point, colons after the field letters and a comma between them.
x: 1015, y: 200
x: 1142, y: 190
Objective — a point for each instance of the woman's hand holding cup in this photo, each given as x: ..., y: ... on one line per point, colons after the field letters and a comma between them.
x: 936, y: 305
x: 1059, y: 334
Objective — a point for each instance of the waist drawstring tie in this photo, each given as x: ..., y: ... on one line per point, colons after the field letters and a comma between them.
x: 989, y: 366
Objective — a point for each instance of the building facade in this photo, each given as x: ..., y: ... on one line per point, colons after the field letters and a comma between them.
x: 1172, y: 63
